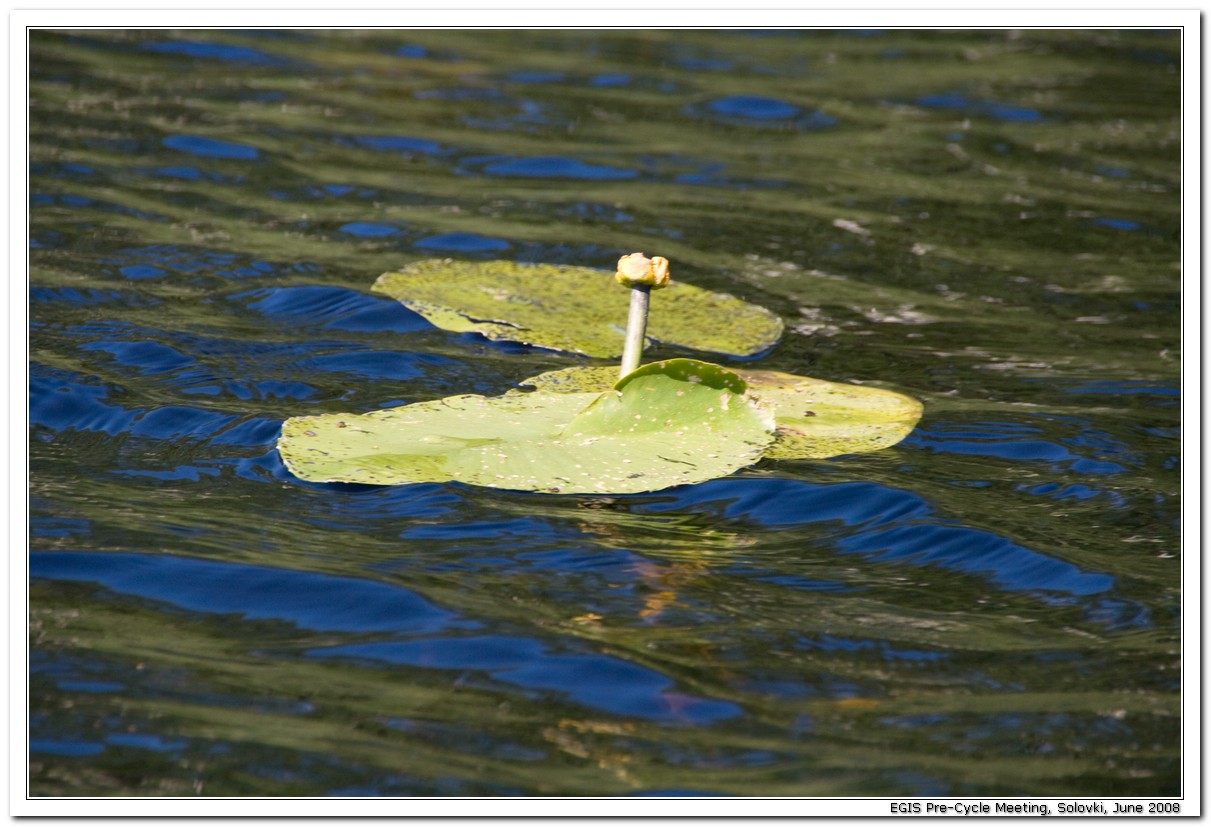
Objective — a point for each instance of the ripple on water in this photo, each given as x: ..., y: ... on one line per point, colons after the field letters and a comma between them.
x: 332, y: 308
x: 417, y: 51
x: 148, y: 357
x: 1167, y: 394
x: 1010, y: 566
x: 463, y: 243
x: 363, y: 229
x: 318, y: 602
x: 174, y: 422
x: 756, y: 110
x: 776, y: 503
x: 135, y: 740
x: 155, y: 260
x: 202, y: 364
x: 41, y: 200
x: 62, y: 401
x: 753, y: 106
x: 890, y: 526
x: 89, y: 297
x: 344, y: 605
x: 702, y: 62
x: 376, y: 364
x: 463, y: 93
x: 1076, y: 492
x: 186, y: 172
x: 141, y: 271
x: 181, y: 472
x: 324, y: 192
x: 396, y: 143
x: 211, y: 147
x: 549, y: 166
x: 215, y: 51
x: 1015, y: 442
x: 60, y: 169
x: 600, y: 681
x: 992, y: 110
x: 518, y: 115
x: 1124, y: 224
x: 610, y: 79
x: 536, y: 77
x: 68, y: 748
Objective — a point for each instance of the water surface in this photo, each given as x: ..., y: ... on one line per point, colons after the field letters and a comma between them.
x: 985, y: 220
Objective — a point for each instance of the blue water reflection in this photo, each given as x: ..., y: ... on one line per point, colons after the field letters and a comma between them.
x: 993, y: 110
x: 753, y: 106
x: 553, y: 166
x: 88, y: 297
x: 61, y: 400
x: 398, y: 143
x: 74, y: 202
x: 595, y: 680
x: 136, y: 740
x: 1022, y: 442
x: 364, y: 229
x: 332, y: 308
x: 463, y: 242
x: 214, y: 51
x: 212, y: 147
x: 310, y: 601
x: 70, y: 748
x: 1118, y: 223
x: 885, y: 525
x: 756, y: 110
x: 180, y: 259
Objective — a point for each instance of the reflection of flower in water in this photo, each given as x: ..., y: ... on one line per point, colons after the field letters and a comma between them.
x: 664, y: 582
x: 691, y: 548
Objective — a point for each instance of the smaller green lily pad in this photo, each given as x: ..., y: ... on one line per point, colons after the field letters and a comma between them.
x: 573, y: 309
x: 670, y: 423
x: 816, y: 419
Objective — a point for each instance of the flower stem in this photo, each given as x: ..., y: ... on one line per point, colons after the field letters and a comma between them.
x: 637, y: 325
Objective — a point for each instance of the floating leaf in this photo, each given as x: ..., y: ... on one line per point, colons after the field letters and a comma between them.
x: 816, y: 419
x: 819, y: 419
x: 667, y: 423
x: 573, y: 309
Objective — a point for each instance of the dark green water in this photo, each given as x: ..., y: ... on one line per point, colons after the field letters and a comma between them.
x: 985, y: 220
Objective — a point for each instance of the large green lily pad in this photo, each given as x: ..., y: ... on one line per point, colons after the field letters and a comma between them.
x: 665, y: 424
x: 574, y: 309
x: 816, y: 419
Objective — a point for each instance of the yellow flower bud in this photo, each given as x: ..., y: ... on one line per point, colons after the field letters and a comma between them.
x: 637, y: 269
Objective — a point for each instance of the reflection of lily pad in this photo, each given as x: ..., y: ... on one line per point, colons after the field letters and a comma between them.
x: 816, y: 419
x: 670, y: 423
x: 574, y: 309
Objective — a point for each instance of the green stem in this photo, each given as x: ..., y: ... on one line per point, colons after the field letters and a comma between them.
x: 637, y: 325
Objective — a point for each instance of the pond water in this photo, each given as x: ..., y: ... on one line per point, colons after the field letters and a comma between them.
x: 988, y: 221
